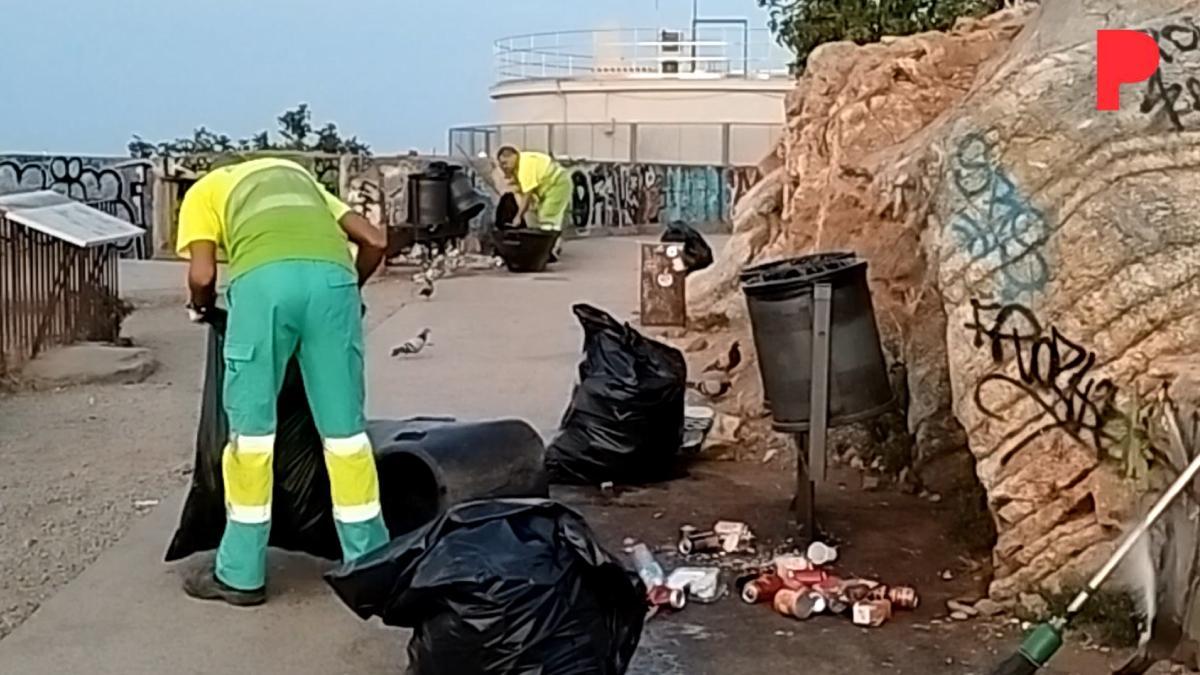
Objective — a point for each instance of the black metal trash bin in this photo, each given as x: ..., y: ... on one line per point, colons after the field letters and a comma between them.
x: 779, y: 296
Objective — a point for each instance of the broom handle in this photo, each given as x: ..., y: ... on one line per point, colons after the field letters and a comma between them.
x: 1157, y: 510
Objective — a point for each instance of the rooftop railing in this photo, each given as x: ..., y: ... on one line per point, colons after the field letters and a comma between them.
x: 713, y: 49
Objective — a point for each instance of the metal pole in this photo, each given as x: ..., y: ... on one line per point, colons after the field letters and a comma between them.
x: 695, y: 17
x: 819, y: 394
x: 805, y: 502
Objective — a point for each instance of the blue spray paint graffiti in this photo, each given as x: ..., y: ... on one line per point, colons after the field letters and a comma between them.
x: 995, y: 223
x: 117, y: 186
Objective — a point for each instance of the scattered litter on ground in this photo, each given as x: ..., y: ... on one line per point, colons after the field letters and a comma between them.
x: 697, y: 422
x: 141, y: 504
x: 796, y: 587
x: 770, y: 455
x: 725, y: 536
x: 658, y: 594
x: 821, y: 554
x: 700, y: 583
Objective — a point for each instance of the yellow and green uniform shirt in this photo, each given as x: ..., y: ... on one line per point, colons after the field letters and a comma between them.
x: 262, y: 211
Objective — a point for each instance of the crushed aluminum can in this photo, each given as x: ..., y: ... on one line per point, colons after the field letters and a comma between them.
x: 786, y: 565
x: 804, y: 578
x: 662, y: 596
x: 904, y: 597
x: 856, y: 590
x: 872, y: 613
x: 799, y: 604
x: 693, y: 540
x: 762, y: 589
x: 735, y: 535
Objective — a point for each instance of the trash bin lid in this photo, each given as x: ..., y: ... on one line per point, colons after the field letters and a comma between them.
x: 801, y: 271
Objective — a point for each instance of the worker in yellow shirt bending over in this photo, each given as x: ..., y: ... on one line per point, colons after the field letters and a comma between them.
x: 538, y: 179
x: 293, y: 291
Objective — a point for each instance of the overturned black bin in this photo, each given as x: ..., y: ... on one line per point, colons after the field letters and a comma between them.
x: 780, y: 299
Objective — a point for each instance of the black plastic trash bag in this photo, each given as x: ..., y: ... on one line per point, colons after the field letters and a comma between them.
x: 425, y: 466
x: 696, y: 252
x: 502, y: 587
x: 625, y: 420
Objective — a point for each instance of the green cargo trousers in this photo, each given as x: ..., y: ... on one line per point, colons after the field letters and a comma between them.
x: 312, y: 310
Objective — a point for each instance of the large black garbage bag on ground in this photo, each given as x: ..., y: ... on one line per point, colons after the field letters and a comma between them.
x: 625, y: 420
x: 425, y: 466
x: 697, y: 254
x: 502, y: 587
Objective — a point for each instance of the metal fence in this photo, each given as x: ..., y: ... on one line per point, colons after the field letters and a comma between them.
x: 688, y: 144
x: 52, y: 293
x: 710, y: 48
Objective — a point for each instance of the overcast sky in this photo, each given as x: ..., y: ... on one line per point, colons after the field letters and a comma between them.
x: 80, y: 76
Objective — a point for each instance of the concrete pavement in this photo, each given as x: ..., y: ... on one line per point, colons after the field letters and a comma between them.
x: 503, y: 346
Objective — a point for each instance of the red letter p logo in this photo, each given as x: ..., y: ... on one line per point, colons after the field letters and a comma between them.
x: 1122, y: 57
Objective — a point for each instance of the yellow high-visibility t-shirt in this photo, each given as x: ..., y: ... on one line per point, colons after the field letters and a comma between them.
x: 206, y: 214
x: 536, y: 171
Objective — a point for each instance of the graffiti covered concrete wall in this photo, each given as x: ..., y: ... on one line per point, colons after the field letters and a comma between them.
x: 613, y: 194
x: 119, y: 186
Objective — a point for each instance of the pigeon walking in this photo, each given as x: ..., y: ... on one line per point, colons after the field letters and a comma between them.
x: 412, y: 346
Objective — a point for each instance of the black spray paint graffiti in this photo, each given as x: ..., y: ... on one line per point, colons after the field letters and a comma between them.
x: 116, y: 186
x: 994, y: 222
x: 618, y: 194
x: 1052, y: 370
x: 1177, y: 42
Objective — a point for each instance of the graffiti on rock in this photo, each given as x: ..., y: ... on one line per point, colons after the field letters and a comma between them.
x: 1174, y: 87
x: 739, y: 181
x: 995, y: 222
x: 1052, y: 370
x: 620, y: 195
x: 116, y: 186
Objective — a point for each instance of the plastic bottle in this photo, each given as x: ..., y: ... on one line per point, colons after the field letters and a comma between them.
x: 648, y: 569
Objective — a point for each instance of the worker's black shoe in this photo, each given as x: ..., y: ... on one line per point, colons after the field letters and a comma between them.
x: 204, y: 585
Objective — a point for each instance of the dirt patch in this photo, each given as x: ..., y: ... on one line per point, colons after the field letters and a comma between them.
x: 82, y: 463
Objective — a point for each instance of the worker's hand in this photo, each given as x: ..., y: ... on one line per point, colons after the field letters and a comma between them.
x: 197, y: 314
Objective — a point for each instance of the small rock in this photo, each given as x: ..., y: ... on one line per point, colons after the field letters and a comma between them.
x: 29, y: 543
x: 628, y: 542
x: 658, y: 515
x: 956, y: 606
x: 947, y: 575
x: 988, y: 607
x: 921, y: 627
x: 877, y: 463
x: 697, y: 345
x: 1033, y: 605
x: 857, y: 463
x: 871, y: 483
x: 959, y: 616
x: 606, y: 486
x: 770, y: 455
x: 934, y: 498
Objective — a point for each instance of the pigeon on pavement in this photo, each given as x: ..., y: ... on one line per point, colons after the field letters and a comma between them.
x: 413, y: 346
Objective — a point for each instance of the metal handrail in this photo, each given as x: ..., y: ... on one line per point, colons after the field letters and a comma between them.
x: 712, y: 49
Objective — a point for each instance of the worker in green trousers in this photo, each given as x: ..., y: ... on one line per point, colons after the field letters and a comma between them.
x: 293, y: 291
